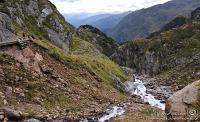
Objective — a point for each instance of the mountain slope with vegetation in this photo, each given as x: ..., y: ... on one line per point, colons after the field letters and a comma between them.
x: 100, y: 40
x: 53, y: 77
x: 172, y: 55
x: 143, y: 22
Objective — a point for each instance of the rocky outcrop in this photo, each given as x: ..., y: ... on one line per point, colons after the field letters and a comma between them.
x: 38, y: 18
x: 195, y: 16
x: 5, y: 28
x: 179, y: 107
x: 134, y: 56
x: 175, y: 45
x: 27, y: 57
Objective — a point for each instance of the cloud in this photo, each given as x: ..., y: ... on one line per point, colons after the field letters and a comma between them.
x: 103, y: 6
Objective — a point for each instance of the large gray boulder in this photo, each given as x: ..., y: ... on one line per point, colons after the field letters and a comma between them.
x: 180, y: 106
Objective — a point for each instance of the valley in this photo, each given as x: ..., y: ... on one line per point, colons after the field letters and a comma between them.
x: 52, y: 71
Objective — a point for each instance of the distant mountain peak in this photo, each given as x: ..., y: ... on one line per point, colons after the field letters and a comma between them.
x: 145, y: 21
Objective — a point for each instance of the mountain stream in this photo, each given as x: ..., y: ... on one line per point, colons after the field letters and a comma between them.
x: 133, y: 88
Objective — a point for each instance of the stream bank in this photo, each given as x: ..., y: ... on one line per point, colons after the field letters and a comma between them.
x: 143, y: 91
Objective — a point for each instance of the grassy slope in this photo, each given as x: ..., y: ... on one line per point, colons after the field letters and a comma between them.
x: 82, y: 56
x: 77, y: 92
x: 100, y: 40
x: 99, y: 64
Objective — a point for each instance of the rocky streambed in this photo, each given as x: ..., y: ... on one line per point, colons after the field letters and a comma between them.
x: 147, y: 89
x: 144, y: 90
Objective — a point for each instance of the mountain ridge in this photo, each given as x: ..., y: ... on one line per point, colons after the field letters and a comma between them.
x: 143, y: 22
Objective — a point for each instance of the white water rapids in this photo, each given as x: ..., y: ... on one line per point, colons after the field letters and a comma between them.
x: 133, y: 88
x: 115, y: 111
x: 138, y: 88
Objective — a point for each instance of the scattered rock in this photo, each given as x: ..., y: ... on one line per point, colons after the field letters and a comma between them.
x: 2, y: 95
x: 5, y: 102
x: 2, y: 116
x: 28, y: 53
x: 31, y: 120
x: 16, y: 78
x: 118, y: 83
x: 8, y: 91
x: 54, y: 75
x: 38, y: 57
x: 13, y: 115
x: 46, y: 69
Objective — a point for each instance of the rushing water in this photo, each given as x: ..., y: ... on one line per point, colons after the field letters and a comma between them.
x: 113, y: 112
x: 138, y: 88
x: 133, y: 88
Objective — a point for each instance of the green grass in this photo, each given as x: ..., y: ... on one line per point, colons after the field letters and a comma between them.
x: 83, y: 54
x: 99, y: 65
x: 53, y: 98
x: 75, y: 44
x: 60, y: 101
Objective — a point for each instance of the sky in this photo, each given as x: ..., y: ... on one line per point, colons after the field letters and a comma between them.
x: 102, y: 6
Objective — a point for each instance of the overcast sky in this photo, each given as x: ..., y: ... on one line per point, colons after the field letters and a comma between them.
x: 102, y: 6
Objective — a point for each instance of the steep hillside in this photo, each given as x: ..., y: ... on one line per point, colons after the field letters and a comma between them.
x: 172, y: 55
x: 93, y: 35
x: 143, y: 22
x: 35, y: 83
x: 39, y: 19
x: 58, y: 74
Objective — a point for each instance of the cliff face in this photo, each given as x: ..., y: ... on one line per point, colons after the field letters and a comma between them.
x: 5, y: 28
x: 172, y: 50
x: 38, y: 18
x: 135, y: 55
